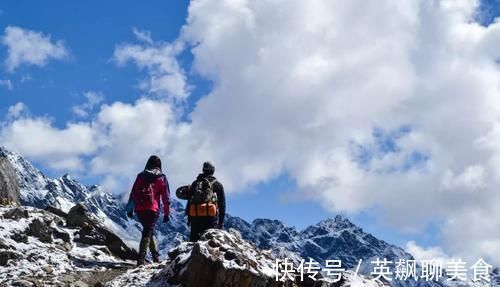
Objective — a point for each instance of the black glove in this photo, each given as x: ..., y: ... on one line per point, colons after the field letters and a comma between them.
x: 166, y: 219
x: 130, y: 214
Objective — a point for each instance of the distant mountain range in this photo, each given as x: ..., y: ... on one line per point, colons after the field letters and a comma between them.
x: 333, y: 238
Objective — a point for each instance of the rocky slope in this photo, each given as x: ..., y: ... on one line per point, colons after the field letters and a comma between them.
x: 38, y: 190
x: 336, y: 238
x: 38, y: 248
x: 222, y: 258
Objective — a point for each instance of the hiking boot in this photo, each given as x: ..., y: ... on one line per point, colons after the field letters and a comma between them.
x: 154, y: 250
x: 143, y: 247
x: 156, y: 259
x: 140, y: 262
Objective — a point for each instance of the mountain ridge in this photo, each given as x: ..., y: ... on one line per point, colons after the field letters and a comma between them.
x: 331, y: 238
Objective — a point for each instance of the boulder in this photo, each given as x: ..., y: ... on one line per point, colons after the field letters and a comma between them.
x: 90, y: 236
x: 93, y: 233
x: 19, y: 237
x: 5, y: 246
x: 220, y: 258
x: 56, y: 211
x: 16, y: 214
x: 6, y: 255
x: 61, y: 234
x: 41, y: 230
x: 9, y: 189
x: 78, y: 216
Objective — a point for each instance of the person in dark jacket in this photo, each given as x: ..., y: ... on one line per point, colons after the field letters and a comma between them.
x: 150, y: 186
x: 199, y: 220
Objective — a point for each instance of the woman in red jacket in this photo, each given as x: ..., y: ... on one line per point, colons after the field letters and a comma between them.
x: 150, y: 186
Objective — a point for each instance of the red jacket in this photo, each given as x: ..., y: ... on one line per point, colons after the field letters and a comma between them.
x: 160, y: 190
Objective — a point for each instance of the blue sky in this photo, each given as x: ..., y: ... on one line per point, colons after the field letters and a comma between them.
x: 91, y: 31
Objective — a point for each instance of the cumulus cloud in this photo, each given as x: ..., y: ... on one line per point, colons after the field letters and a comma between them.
x: 25, y: 47
x: 430, y: 253
x: 7, y: 83
x: 300, y: 88
x: 59, y: 148
x: 398, y: 113
x: 165, y: 75
x: 16, y: 110
x: 93, y: 99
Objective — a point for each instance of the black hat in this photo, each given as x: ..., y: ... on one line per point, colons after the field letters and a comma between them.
x: 208, y: 168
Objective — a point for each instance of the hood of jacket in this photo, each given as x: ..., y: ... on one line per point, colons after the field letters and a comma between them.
x: 150, y: 175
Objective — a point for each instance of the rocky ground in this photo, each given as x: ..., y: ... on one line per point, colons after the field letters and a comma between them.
x: 37, y: 248
x: 51, y: 248
x: 223, y: 258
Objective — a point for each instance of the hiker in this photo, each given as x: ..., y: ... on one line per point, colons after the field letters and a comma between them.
x: 150, y: 185
x: 206, y: 205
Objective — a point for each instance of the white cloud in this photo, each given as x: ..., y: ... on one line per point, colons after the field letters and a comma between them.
x: 165, y: 76
x: 7, y: 83
x: 299, y: 88
x: 16, y: 110
x: 93, y: 99
x: 298, y: 84
x: 39, y: 139
x: 143, y: 35
x: 430, y: 253
x: 27, y: 47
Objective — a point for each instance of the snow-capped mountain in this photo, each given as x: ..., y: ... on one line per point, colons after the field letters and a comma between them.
x: 335, y: 238
x: 40, y: 191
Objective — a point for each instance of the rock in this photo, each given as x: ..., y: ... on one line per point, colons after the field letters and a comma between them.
x: 56, y: 211
x: 67, y: 246
x: 118, y: 248
x: 90, y: 236
x: 94, y: 234
x: 5, y: 246
x: 9, y: 189
x: 22, y: 283
x: 47, y: 269
x: 60, y: 234
x: 79, y: 284
x: 6, y: 255
x: 78, y: 216
x: 19, y: 237
x: 237, y: 264
x: 16, y: 214
x: 41, y: 230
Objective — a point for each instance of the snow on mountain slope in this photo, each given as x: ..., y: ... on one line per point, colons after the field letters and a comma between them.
x: 37, y: 249
x: 39, y: 191
x: 334, y: 238
x: 223, y: 258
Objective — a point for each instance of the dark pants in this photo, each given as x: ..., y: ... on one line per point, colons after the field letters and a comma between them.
x: 199, y: 225
x: 148, y: 219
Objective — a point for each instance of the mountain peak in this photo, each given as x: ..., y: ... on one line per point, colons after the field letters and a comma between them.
x: 339, y: 222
